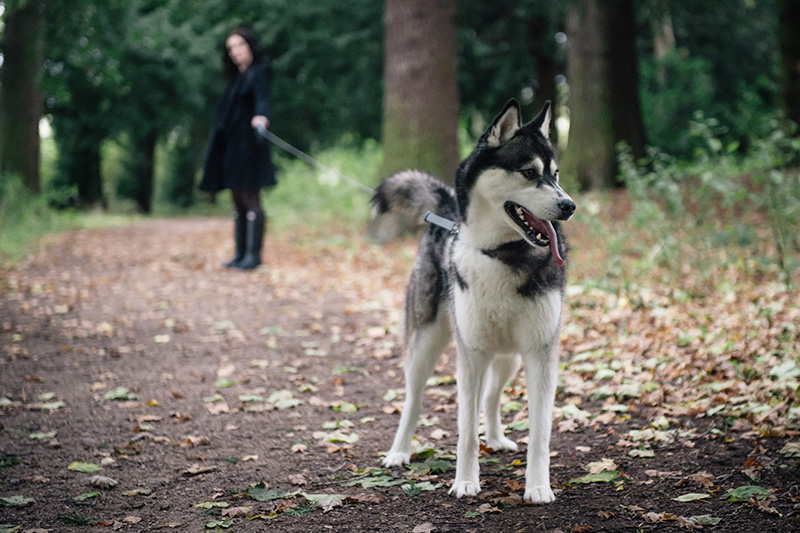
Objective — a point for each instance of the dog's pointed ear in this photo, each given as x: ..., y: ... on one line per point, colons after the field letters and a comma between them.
x: 504, y: 126
x: 542, y: 121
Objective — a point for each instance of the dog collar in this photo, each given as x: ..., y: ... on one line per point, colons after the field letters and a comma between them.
x: 442, y: 222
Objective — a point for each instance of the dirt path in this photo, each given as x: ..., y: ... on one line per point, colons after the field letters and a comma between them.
x: 261, y: 401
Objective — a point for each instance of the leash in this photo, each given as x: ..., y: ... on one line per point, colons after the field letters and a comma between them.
x: 264, y: 133
x: 280, y: 143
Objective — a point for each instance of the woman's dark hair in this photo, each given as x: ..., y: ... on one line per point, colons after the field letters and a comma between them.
x: 259, y: 54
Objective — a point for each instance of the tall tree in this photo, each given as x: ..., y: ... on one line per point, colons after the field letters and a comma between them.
x: 20, y: 98
x: 626, y: 113
x: 590, y: 154
x: 789, y: 40
x: 420, y: 99
x: 604, y: 90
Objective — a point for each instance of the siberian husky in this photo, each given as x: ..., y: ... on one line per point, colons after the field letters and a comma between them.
x: 494, y: 281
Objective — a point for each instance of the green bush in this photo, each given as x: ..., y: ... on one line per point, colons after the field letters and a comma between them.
x: 718, y: 208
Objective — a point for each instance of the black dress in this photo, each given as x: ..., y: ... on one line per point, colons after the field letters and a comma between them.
x: 236, y: 158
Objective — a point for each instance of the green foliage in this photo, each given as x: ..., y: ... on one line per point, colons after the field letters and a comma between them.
x: 307, y: 195
x: 667, y: 108
x: 726, y: 65
x: 718, y: 207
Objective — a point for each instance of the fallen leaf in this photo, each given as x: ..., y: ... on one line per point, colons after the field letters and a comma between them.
x: 427, y: 527
x: 103, y: 482
x: 86, y: 468
x: 601, y: 466
x: 606, y: 476
x: 791, y: 449
x: 745, y: 493
x: 16, y: 501
x: 234, y: 512
x: 196, y: 470
x: 692, y: 497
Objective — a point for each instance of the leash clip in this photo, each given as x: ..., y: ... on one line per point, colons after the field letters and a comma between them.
x: 442, y: 222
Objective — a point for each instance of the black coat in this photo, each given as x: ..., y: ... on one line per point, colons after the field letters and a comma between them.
x: 236, y: 158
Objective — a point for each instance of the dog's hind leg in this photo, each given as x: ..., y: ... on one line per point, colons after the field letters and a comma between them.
x: 424, y: 347
x: 501, y: 370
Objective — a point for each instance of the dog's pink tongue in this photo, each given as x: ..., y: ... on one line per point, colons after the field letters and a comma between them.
x: 551, y: 234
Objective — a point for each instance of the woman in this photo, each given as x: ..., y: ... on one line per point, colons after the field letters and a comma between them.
x: 236, y: 158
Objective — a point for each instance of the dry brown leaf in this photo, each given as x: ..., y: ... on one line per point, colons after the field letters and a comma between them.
x: 234, y: 512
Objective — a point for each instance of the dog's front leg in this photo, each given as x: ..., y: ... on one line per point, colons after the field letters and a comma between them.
x: 541, y: 375
x: 471, y: 368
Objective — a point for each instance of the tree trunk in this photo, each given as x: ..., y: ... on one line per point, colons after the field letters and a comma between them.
x: 20, y: 101
x: 626, y: 113
x: 420, y: 98
x: 145, y: 170
x: 790, y: 58
x: 546, y: 67
x: 590, y: 154
x: 78, y: 163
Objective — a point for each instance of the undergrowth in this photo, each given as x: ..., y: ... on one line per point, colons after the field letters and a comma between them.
x: 718, y: 212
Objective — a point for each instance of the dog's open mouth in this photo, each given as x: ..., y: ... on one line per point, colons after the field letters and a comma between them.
x: 537, y: 231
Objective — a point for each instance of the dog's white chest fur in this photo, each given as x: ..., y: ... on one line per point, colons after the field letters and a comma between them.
x: 490, y: 315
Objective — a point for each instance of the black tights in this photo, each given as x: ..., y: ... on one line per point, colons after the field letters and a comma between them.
x: 248, y: 200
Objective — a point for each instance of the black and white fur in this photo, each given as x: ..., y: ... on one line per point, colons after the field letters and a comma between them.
x: 496, y: 286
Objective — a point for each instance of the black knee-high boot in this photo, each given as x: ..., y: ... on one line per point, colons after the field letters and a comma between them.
x: 239, y: 238
x: 255, y: 238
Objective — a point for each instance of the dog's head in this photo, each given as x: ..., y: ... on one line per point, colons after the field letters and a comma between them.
x: 512, y: 175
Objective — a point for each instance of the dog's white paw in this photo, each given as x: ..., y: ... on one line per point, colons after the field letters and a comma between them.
x: 502, y: 444
x: 465, y: 488
x: 396, y: 459
x: 541, y: 494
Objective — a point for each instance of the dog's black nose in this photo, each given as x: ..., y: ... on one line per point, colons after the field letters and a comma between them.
x: 567, y: 207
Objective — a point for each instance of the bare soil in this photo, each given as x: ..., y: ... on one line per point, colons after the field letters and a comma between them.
x: 197, y: 440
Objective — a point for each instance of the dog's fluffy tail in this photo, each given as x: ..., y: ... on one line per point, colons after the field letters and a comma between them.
x: 401, y: 201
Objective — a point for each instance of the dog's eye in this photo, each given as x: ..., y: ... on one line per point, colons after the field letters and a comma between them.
x: 529, y: 173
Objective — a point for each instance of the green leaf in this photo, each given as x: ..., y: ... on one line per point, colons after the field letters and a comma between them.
x: 216, y: 397
x: 224, y: 383
x: 705, y: 520
x: 120, y: 394
x: 346, y: 407
x: 86, y: 468
x: 224, y: 524
x: 375, y: 481
x: 261, y: 493
x: 86, y: 496
x: 518, y: 425
x: 10, y: 528
x: 246, y: 398
x: 322, y: 498
x: 52, y: 406
x: 16, y: 501
x: 43, y: 435
x: 210, y: 505
x: 691, y: 497
x: 414, y: 489
x: 606, y: 476
x: 513, y: 405
x: 440, y: 466
x: 746, y: 493
x: 390, y: 395
x: 338, y: 436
